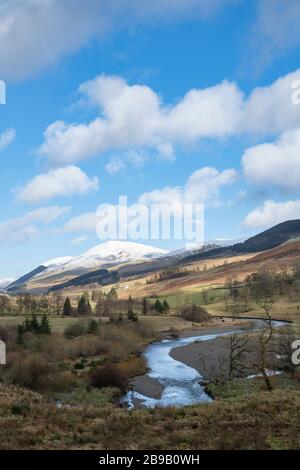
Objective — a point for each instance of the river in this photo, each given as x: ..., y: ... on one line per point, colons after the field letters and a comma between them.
x: 181, y: 383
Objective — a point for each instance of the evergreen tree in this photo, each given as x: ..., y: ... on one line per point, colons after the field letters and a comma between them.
x: 93, y: 327
x: 67, y: 309
x: 130, y: 304
x: 45, y: 328
x: 158, y: 306
x: 132, y: 316
x: 82, y: 308
x: 165, y: 306
x: 144, y: 306
x: 34, y: 324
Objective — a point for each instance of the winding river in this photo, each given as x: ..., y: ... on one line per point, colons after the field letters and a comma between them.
x: 181, y: 383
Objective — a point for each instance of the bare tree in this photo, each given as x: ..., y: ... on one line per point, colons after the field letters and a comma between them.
x: 216, y: 373
x: 264, y: 340
x: 238, y: 348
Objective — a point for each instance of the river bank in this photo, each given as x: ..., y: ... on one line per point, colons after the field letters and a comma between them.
x: 171, y: 381
x: 177, y: 367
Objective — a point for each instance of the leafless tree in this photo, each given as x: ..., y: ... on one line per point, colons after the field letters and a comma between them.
x: 238, y: 349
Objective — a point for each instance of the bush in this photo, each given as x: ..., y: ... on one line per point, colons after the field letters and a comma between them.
x: 195, y: 314
x: 132, y: 316
x: 31, y: 372
x: 76, y: 329
x: 35, y: 373
x: 108, y: 376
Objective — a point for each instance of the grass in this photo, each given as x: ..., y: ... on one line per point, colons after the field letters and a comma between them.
x: 159, y: 324
x: 243, y: 387
x: 261, y: 420
x: 88, y: 396
x: 58, y: 324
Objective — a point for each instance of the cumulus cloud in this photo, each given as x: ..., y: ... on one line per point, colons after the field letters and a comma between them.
x: 35, y: 34
x: 135, y: 116
x: 272, y: 213
x: 66, y: 181
x: 270, y: 109
x: 21, y: 229
x: 276, y: 163
x: 6, y: 138
x: 203, y: 186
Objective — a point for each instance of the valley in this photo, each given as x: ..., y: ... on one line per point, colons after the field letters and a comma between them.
x: 74, y: 340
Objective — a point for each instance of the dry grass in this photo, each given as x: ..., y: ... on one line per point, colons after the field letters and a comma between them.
x: 260, y: 421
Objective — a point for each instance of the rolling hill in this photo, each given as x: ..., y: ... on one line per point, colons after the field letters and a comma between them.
x: 114, y: 261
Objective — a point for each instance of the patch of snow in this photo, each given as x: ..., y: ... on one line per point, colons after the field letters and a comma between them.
x: 56, y: 262
x: 5, y: 282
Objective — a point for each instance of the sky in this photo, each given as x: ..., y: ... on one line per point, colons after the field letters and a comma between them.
x: 162, y: 101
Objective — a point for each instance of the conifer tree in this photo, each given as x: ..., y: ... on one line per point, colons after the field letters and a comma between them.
x: 45, y: 328
x: 144, y: 306
x: 67, y: 309
x: 165, y: 306
x: 158, y: 306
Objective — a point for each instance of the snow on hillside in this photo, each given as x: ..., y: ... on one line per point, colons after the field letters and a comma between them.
x: 5, y: 282
x: 110, y: 252
x: 56, y: 262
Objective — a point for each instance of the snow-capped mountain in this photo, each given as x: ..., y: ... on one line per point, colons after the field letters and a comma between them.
x: 111, y: 252
x: 5, y: 282
x: 57, y: 262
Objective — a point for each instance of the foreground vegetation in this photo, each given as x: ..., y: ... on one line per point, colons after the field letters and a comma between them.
x: 257, y: 421
x: 67, y: 367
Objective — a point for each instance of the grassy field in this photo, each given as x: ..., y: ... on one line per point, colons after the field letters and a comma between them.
x: 261, y: 420
x: 158, y: 324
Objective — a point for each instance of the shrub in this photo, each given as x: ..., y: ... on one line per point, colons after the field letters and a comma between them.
x: 132, y: 316
x: 93, y: 327
x: 31, y: 372
x: 195, y: 314
x: 20, y: 408
x: 76, y: 329
x: 108, y: 376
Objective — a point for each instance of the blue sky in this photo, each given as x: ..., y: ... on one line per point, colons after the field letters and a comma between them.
x: 177, y: 97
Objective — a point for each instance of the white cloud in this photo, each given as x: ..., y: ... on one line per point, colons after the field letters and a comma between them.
x: 21, y: 229
x: 134, y: 116
x: 203, y: 186
x: 66, y: 181
x: 270, y: 109
x: 166, y: 151
x: 135, y: 158
x: 272, y: 213
x: 6, y: 138
x: 115, y: 165
x: 35, y: 34
x: 276, y: 164
x: 85, y: 222
x: 79, y: 240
